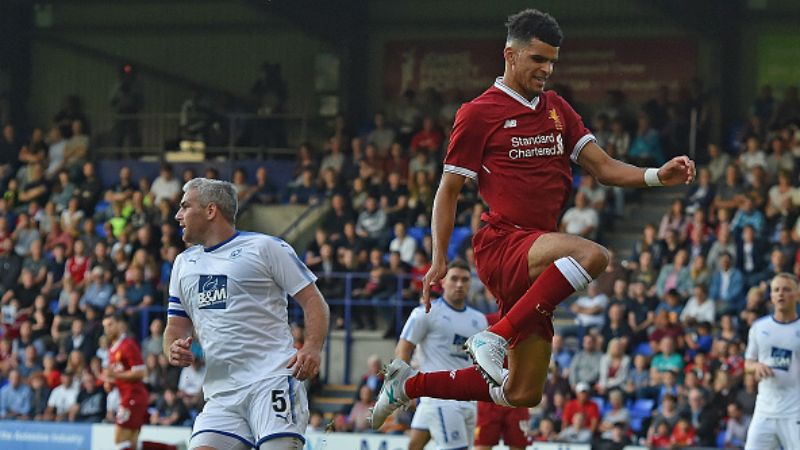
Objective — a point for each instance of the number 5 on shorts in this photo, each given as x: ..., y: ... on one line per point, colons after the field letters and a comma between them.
x: 279, y: 400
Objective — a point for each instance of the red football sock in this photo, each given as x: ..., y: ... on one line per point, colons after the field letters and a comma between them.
x: 547, y: 291
x: 462, y: 384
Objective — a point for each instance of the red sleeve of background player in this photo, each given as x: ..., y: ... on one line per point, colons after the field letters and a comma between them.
x: 576, y: 135
x: 465, y: 151
x: 131, y: 355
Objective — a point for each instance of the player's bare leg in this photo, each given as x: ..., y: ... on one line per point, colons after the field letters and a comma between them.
x: 564, y: 260
x: 126, y: 435
x: 418, y: 439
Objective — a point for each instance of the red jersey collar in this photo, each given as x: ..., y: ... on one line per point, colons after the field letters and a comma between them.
x: 498, y: 83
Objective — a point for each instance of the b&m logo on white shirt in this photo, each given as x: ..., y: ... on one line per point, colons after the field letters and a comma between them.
x: 780, y: 358
x: 212, y: 292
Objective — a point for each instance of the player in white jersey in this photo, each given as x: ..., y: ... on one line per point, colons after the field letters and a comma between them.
x: 439, y: 339
x: 773, y: 354
x: 231, y: 290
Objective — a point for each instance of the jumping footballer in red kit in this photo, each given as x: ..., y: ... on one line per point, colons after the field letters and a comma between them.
x: 127, y: 370
x: 517, y: 141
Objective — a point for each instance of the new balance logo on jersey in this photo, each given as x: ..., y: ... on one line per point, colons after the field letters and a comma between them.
x: 212, y: 292
x: 511, y: 123
x: 780, y: 358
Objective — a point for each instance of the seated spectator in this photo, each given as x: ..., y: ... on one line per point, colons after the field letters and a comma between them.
x: 645, y: 147
x: 30, y: 363
x: 590, y: 308
x: 304, y: 192
x: 374, y: 376
x: 675, y: 276
x: 675, y: 219
x: 614, y: 367
x: 98, y: 292
x: 699, y: 340
x: 169, y: 410
x: 190, y: 386
x: 667, y: 359
x: 641, y: 312
x: 577, y: 432
x: 581, y: 219
x: 585, y: 365
x: 40, y: 393
x: 672, y: 304
x: 546, y: 431
x: 394, y: 198
x: 702, y: 419
x: 152, y: 344
x: 683, y: 434
x: 403, y: 243
x: 748, y: 215
x: 639, y: 378
x: 698, y: 308
x: 729, y: 191
x: 165, y: 186
x: 357, y: 419
x: 736, y: 425
x: 701, y: 193
x: 727, y: 286
x: 62, y: 398
x: 645, y: 273
x: 559, y: 353
x: 371, y: 222
x: 15, y: 398
x: 90, y: 406
x: 617, y: 414
x: 583, y: 404
x: 664, y: 327
x: 316, y: 422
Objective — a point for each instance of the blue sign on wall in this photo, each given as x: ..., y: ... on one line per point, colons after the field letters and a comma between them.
x: 19, y: 435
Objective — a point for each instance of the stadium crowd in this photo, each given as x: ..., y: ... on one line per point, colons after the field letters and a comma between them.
x: 662, y: 332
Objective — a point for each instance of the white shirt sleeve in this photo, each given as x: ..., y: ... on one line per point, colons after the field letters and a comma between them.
x: 286, y: 268
x: 752, y: 345
x: 175, y: 307
x: 416, y: 327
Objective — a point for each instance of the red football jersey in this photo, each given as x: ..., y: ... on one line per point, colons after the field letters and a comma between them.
x: 519, y: 152
x: 126, y: 355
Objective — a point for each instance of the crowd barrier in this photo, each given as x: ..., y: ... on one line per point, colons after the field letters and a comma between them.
x: 21, y: 435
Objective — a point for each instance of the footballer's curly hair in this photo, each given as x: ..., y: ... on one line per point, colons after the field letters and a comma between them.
x: 532, y: 23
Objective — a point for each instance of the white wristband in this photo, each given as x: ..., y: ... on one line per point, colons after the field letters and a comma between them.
x: 651, y: 177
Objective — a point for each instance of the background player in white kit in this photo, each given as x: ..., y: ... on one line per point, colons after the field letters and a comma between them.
x: 231, y: 289
x: 439, y: 338
x: 773, y: 354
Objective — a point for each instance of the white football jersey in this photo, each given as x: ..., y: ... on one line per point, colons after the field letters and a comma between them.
x: 235, y: 295
x: 439, y: 335
x: 778, y: 346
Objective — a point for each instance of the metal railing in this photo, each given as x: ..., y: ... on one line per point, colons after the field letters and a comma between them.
x: 233, y: 135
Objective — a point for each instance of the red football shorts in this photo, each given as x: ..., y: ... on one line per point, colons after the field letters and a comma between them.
x: 501, y: 259
x: 495, y: 421
x: 132, y: 413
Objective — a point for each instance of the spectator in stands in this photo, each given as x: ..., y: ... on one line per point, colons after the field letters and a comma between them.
x: 336, y: 219
x: 729, y: 191
x: 152, y: 343
x: 667, y: 359
x: 98, y: 292
x: 371, y: 222
x: 422, y: 162
x: 304, y: 192
x: 619, y: 141
x: 55, y: 152
x: 585, y: 365
x: 190, y: 386
x: 403, y: 243
x: 648, y: 243
x: 724, y: 243
x: 381, y: 136
x: 15, y: 397
x: 560, y: 354
x: 90, y: 405
x: 583, y: 404
x: 165, y: 186
x: 589, y: 309
x: 616, y: 325
x: 428, y: 138
x: 699, y: 308
x: 24, y: 235
x: 727, y: 285
x: 748, y: 215
x: 40, y: 393
x: 169, y: 410
x: 645, y: 272
x: 675, y: 276
x: 781, y: 198
x: 62, y: 398
x: 674, y: 219
x: 334, y: 158
x: 645, y: 147
x: 581, y: 219
x: 616, y: 414
x: 357, y: 420
x: 614, y: 367
x: 394, y: 198
x: 752, y: 254
x: 397, y: 162
x: 736, y: 426
x: 703, y: 419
